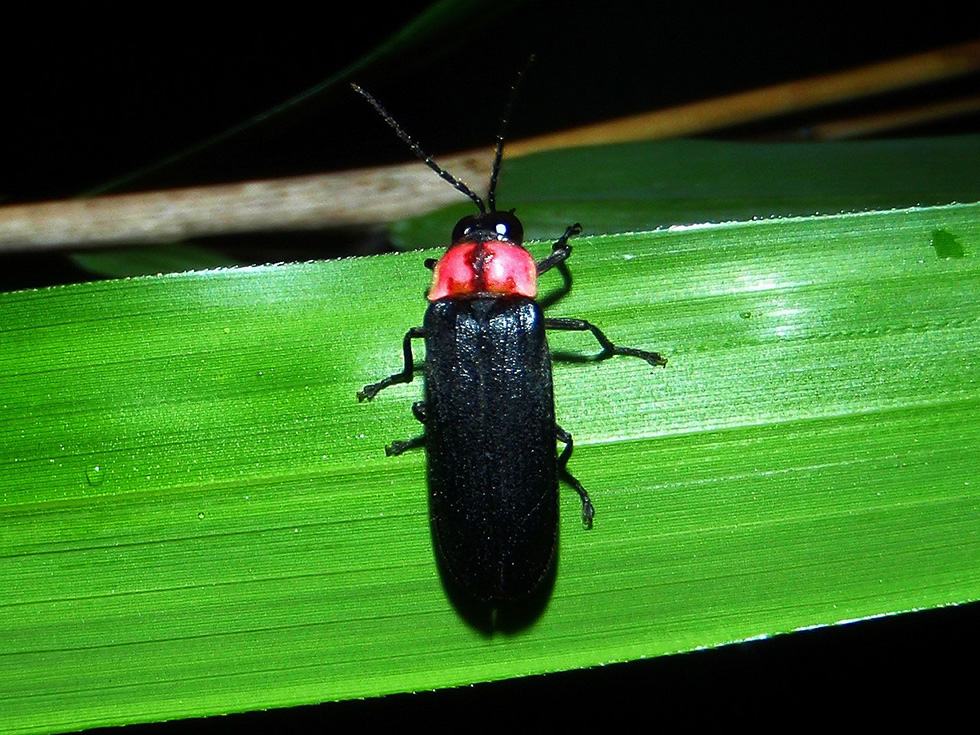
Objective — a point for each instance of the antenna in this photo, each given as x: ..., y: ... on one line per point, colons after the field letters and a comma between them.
x: 502, y: 133
x: 491, y: 203
x: 426, y: 158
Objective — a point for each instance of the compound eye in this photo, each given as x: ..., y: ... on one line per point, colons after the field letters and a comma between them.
x: 507, y: 225
x: 464, y: 227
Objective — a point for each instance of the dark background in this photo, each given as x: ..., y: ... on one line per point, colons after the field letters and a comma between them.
x: 96, y: 99
x: 106, y: 96
x: 93, y: 103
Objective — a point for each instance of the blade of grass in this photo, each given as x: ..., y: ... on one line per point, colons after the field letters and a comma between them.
x: 641, y: 186
x: 197, y: 517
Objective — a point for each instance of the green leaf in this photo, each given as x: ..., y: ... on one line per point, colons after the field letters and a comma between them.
x: 150, y: 260
x: 642, y: 186
x: 197, y: 517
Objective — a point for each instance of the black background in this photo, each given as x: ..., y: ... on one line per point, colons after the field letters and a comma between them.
x: 97, y: 98
x: 92, y: 103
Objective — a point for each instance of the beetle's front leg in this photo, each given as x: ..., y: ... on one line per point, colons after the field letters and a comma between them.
x: 560, y: 250
x: 405, y: 376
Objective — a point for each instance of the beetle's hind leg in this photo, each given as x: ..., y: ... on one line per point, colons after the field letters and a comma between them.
x: 405, y: 376
x: 588, y: 510
x: 400, y: 447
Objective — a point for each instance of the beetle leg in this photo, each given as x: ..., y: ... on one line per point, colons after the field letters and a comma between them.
x: 560, y: 250
x: 608, y: 348
x: 559, y: 254
x: 588, y: 511
x: 396, y: 448
x: 405, y: 376
x: 400, y: 447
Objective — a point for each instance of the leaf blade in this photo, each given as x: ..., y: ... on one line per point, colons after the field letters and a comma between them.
x: 803, y: 460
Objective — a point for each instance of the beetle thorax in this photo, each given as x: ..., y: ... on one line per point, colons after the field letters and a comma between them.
x: 479, y: 268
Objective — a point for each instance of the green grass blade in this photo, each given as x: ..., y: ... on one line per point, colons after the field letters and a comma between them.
x: 151, y: 260
x: 641, y: 186
x: 197, y: 517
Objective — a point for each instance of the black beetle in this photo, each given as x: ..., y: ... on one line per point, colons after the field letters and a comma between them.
x: 489, y: 416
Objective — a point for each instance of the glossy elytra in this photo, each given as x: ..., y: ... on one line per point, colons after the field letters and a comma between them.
x: 488, y: 413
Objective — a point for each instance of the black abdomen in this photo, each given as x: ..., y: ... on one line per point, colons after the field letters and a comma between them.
x: 490, y: 439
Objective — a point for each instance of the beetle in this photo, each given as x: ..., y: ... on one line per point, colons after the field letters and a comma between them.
x: 490, y: 433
